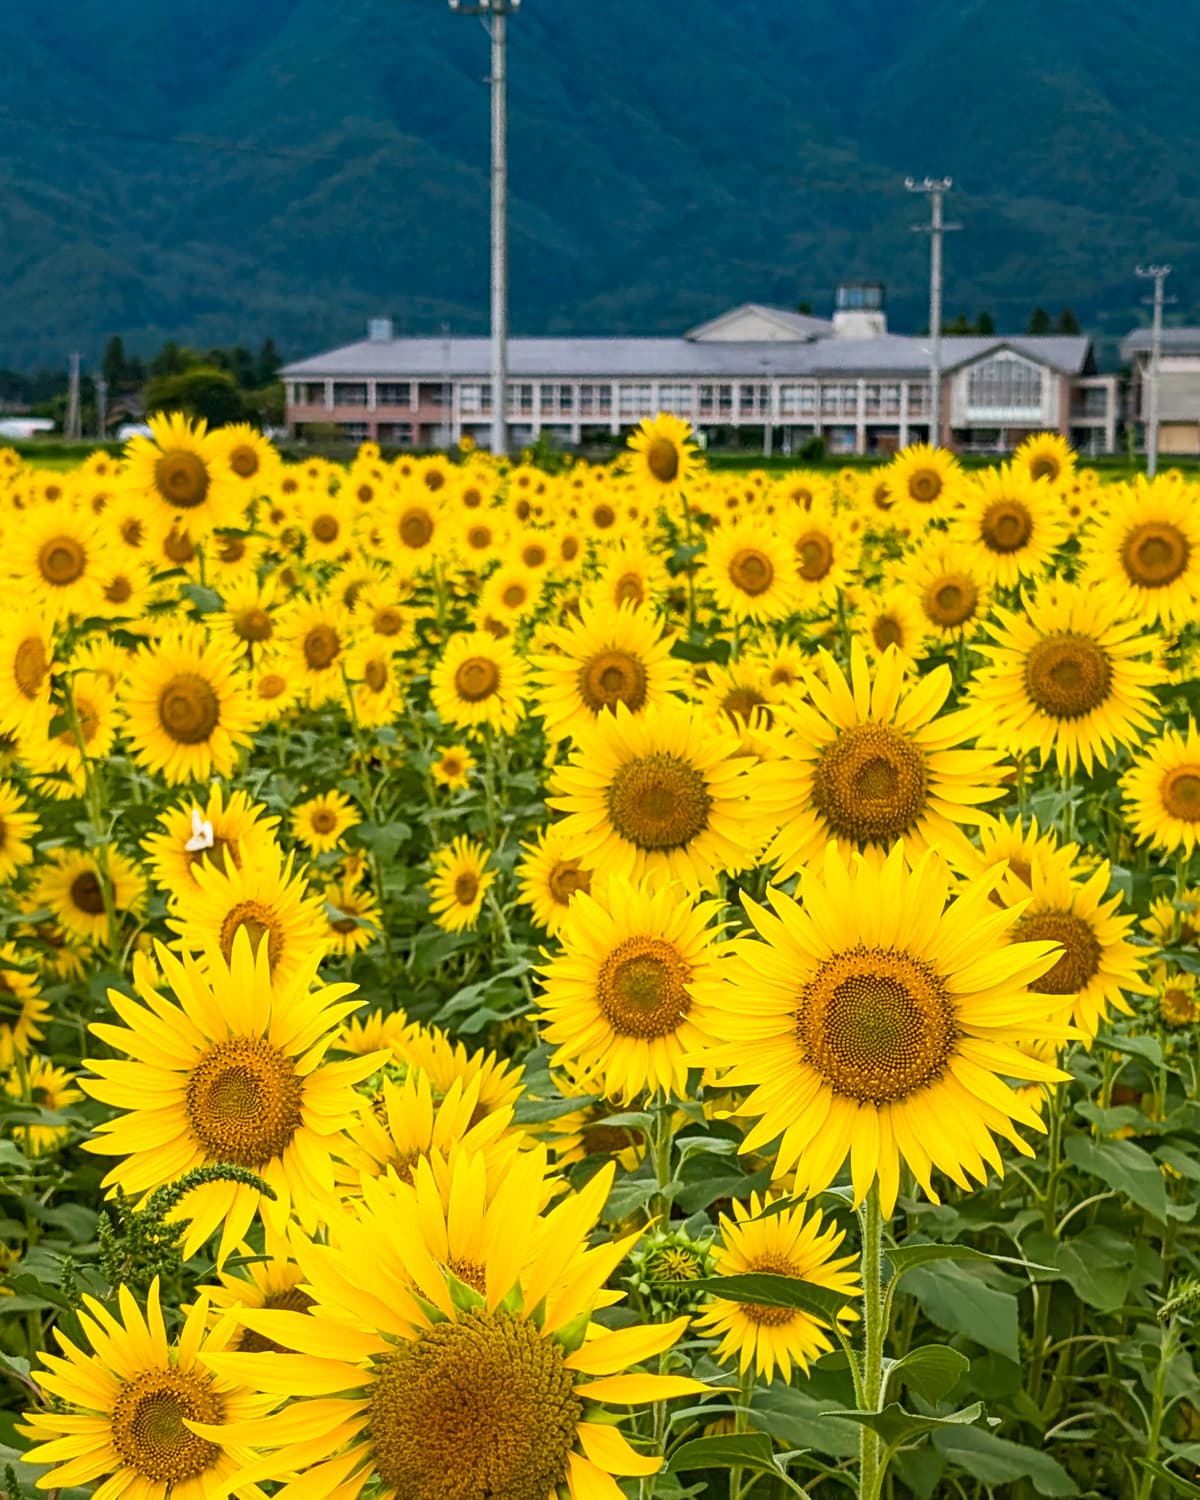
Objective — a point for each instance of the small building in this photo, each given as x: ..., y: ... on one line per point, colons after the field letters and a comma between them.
x: 755, y: 374
x: 1178, y: 387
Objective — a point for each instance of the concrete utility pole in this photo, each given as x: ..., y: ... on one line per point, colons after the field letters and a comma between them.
x: 1157, y: 274
x: 497, y: 13
x: 101, y: 407
x: 937, y: 188
x: 72, y: 429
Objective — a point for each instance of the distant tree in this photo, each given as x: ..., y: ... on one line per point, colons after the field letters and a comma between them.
x: 115, y: 366
x: 1067, y: 322
x: 1039, y: 321
x: 201, y: 391
x: 985, y: 325
x: 959, y: 325
x: 801, y: 307
x: 172, y: 359
x: 267, y: 369
x: 265, y: 406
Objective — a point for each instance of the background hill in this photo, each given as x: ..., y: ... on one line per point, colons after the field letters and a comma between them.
x: 669, y: 158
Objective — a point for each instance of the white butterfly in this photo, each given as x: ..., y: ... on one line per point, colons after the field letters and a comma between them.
x: 202, y: 833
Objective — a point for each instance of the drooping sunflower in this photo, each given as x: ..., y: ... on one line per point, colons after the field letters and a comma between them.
x: 69, y: 883
x: 1143, y: 555
x: 23, y: 1012
x: 662, y: 456
x: 320, y: 822
x: 187, y: 710
x: 120, y: 1413
x: 58, y: 559
x: 459, y: 884
x: 264, y: 898
x: 1097, y: 965
x: 605, y: 657
x: 1162, y: 791
x: 1176, y: 1002
x: 315, y: 644
x: 948, y: 587
x: 550, y: 875
x: 44, y: 1086
x: 1066, y: 678
x: 924, y: 481
x: 26, y: 668
x: 880, y: 1020
x: 452, y: 767
x: 462, y: 1370
x: 219, y: 830
x: 751, y: 571
x: 1175, y: 923
x: 766, y: 1235
x: 892, y: 620
x: 662, y: 794
x: 1046, y: 456
x: 870, y: 760
x: 180, y: 478
x: 17, y: 827
x: 624, y: 999
x: 230, y: 1070
x: 479, y: 681
x: 1011, y: 526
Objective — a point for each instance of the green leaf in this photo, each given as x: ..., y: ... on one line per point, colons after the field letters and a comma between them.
x: 207, y: 601
x: 962, y: 1302
x: 932, y: 1370
x: 1098, y: 1264
x: 1124, y: 1166
x: 759, y: 1288
x: 1144, y: 1047
x: 702, y: 651
x: 748, y: 1450
x: 1181, y: 1486
x: 907, y: 1257
x: 995, y: 1460
x: 707, y: 1177
x: 793, y: 1416
x: 895, y: 1425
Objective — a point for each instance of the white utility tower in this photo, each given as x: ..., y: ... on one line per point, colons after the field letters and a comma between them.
x: 937, y: 188
x: 495, y: 14
x: 1157, y: 274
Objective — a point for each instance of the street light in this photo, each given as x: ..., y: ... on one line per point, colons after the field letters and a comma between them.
x: 494, y: 14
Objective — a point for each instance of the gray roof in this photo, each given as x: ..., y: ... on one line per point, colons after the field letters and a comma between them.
x: 1176, y: 340
x: 671, y: 358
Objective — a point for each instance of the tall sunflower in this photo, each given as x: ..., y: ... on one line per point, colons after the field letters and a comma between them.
x: 320, y: 822
x: 462, y: 1370
x: 605, y: 657
x: 948, y: 586
x: 1143, y: 555
x: 223, y: 829
x: 1010, y: 525
x: 69, y: 883
x: 892, y: 619
x: 826, y: 550
x: 228, y: 1070
x: 870, y: 761
x: 460, y: 882
x: 924, y: 481
x: 752, y: 571
x: 479, y: 681
x: 58, y: 558
x: 662, y: 455
x: 120, y: 1412
x: 661, y: 794
x: 618, y: 999
x: 315, y: 644
x: 1066, y: 678
x: 1046, y: 456
x: 187, y: 710
x: 880, y: 1020
x: 178, y: 474
x: 1162, y: 791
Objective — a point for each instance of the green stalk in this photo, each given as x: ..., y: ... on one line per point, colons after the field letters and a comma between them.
x: 93, y: 796
x: 1158, y: 1405
x: 871, y: 1219
x: 691, y: 577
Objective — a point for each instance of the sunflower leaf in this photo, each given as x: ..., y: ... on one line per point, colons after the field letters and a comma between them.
x: 746, y: 1450
x: 1124, y: 1166
x: 931, y: 1370
x: 761, y: 1289
x: 895, y: 1425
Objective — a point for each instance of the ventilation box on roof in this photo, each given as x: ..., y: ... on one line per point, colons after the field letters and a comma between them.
x: 379, y: 330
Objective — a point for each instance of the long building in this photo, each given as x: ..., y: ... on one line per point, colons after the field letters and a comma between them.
x: 1178, y: 387
x: 752, y: 373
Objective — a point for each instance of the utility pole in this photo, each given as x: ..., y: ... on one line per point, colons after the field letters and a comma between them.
x: 101, y: 407
x: 937, y: 188
x: 1157, y: 274
x: 495, y: 14
x: 769, y: 426
x: 72, y: 429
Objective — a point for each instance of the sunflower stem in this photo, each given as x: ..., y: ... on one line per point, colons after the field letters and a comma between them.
x: 661, y: 1141
x: 691, y: 576
x: 871, y: 1219
x: 93, y: 794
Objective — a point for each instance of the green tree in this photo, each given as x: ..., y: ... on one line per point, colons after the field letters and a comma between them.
x: 267, y: 370
x: 1067, y: 322
x: 985, y: 325
x: 172, y: 359
x: 201, y: 391
x: 1039, y: 321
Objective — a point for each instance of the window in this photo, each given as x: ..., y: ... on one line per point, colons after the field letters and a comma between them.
x: 354, y: 432
x: 891, y: 400
x: 474, y: 398
x: 520, y: 400
x: 716, y: 400
x: 1092, y: 401
x: 679, y: 399
x: 1007, y: 383
x: 393, y: 393
x: 595, y: 400
x: 312, y: 393
x: 636, y: 400
x: 797, y: 400
x: 849, y: 401
x: 918, y: 399
x: 349, y: 393
x: 399, y: 433
x: 873, y: 401
x: 755, y: 400
x: 829, y: 400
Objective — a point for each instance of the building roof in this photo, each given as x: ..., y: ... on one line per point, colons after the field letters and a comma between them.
x: 1174, y: 341
x: 797, y: 325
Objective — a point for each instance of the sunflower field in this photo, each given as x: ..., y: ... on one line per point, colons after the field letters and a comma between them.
x: 622, y: 981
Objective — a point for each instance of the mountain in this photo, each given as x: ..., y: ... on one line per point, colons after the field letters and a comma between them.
x: 214, y: 172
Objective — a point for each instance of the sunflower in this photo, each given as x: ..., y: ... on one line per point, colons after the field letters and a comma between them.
x: 478, y: 680
x: 414, y: 527
x: 459, y: 883
x: 213, y: 832
x: 949, y: 587
x: 924, y: 482
x: 605, y: 657
x: 320, y: 822
x: 1046, y: 456
x: 315, y: 644
x: 1175, y: 923
x: 378, y: 1031
x: 660, y: 794
x: 57, y: 558
x: 273, y: 1281
x: 264, y: 899
x: 251, y: 615
x: 662, y: 456
x: 618, y: 1001
x: 120, y: 1413
x: 826, y: 553
x: 274, y: 690
x: 892, y: 620
x: 1176, y: 1000
x: 869, y: 761
x: 1143, y: 555
x: 23, y: 1012
x: 752, y: 571
x: 383, y: 611
x: 26, y: 667
x: 188, y: 713
x: 743, y: 695
x: 511, y: 594
x: 231, y: 1070
x: 1011, y: 526
x: 326, y: 525
x: 353, y: 916
x: 42, y: 1085
x: 462, y: 1370
x: 1016, y: 850
x: 125, y: 590
x: 376, y: 693
x: 766, y: 1235
x: 430, y: 1050
x: 178, y: 475
x: 630, y: 574
x: 246, y: 457
x: 550, y: 875
x: 452, y: 767
x: 58, y: 759
x: 70, y: 884
x: 1066, y: 677
x: 17, y: 827
x: 1162, y: 791
x: 1097, y: 965
x: 880, y: 1020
